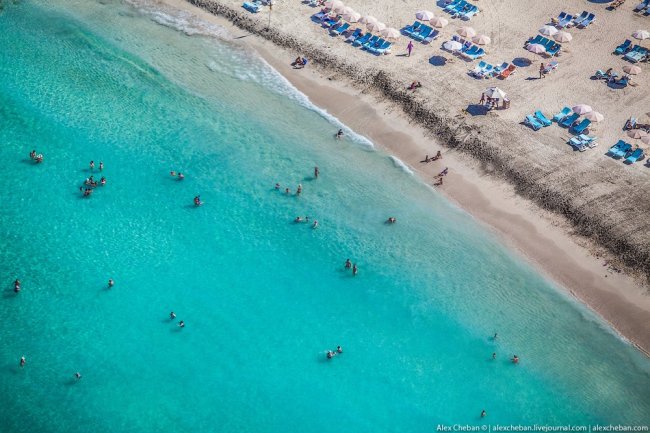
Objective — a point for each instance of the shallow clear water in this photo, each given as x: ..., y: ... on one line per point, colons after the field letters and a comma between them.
x: 262, y: 297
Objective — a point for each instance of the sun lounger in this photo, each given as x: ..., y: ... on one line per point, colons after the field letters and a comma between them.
x: 623, y: 48
x: 412, y: 28
x: 620, y: 149
x: 578, y: 144
x: 568, y: 121
x: 561, y: 16
x: 373, y: 46
x: 432, y: 36
x: 562, y: 114
x: 478, y: 70
x: 373, y: 40
x: 532, y: 122
x: 584, y: 23
x: 542, y: 119
x: 589, y: 141
x: 634, y: 156
x: 509, y: 71
x: 320, y: 16
x: 566, y: 21
x: 451, y: 7
x: 536, y: 40
x: 468, y: 14
x: 551, y: 67
x: 500, y: 68
x: 385, y: 48
x: 642, y: 6
x: 636, y: 55
x: 579, y: 129
x: 253, y: 7
x: 362, y: 40
x: 583, y: 16
x: 340, y: 29
x: 423, y: 34
x: 354, y: 36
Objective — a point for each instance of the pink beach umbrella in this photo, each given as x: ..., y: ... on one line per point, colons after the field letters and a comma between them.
x: 481, y: 40
x: 595, y: 116
x: 350, y: 15
x: 631, y: 69
x: 563, y: 37
x: 536, y: 48
x: 335, y: 5
x: 439, y: 22
x: 374, y: 26
x: 466, y: 32
x: 368, y: 19
x: 424, y: 15
x: 641, y: 34
x: 582, y: 109
x: 637, y: 133
x: 646, y: 139
x: 548, y: 31
x: 390, y: 33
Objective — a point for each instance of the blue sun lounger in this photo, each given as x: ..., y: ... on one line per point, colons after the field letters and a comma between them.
x: 619, y: 149
x: 589, y: 141
x: 362, y: 40
x: 253, y: 7
x: 562, y: 114
x: 384, y: 49
x: 568, y: 121
x: 578, y: 144
x: 623, y: 48
x: 634, y: 156
x: 579, y: 129
x: 340, y: 29
x: 423, y: 34
x: 566, y: 21
x: 373, y: 40
x: 584, y: 23
x: 415, y: 27
x: 353, y: 36
x: 373, y: 46
x: 532, y: 122
x: 583, y: 16
x: 542, y: 119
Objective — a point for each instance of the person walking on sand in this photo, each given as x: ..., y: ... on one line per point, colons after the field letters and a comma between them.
x: 541, y: 71
x: 482, y: 101
x: 409, y: 48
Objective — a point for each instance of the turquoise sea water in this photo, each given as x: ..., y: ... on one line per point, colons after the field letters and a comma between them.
x: 262, y: 298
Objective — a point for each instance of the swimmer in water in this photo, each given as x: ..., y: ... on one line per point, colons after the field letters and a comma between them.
x: 495, y: 336
x: 330, y: 354
x: 39, y: 158
x: 286, y: 191
x: 32, y: 154
x: 316, y: 172
x: 172, y: 315
x: 101, y: 165
x: 277, y: 186
x: 483, y: 413
x: 348, y: 264
x: 494, y: 355
x: 339, y: 349
x: 17, y: 286
x: 339, y: 134
x: 515, y: 359
x: 77, y: 375
x: 172, y: 173
x: 102, y: 181
x: 197, y: 201
x: 92, y: 165
x: 354, y: 269
x: 298, y: 220
x: 111, y: 283
x: 181, y: 176
x: 181, y: 324
x: 22, y: 361
x: 315, y: 225
x: 299, y: 190
x: 391, y: 220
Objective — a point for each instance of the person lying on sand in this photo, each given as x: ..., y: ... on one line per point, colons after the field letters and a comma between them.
x: 297, y: 62
x: 438, y: 182
x: 414, y: 85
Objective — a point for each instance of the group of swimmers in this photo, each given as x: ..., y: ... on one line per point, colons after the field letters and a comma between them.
x: 92, y: 165
x: 91, y: 183
x: 300, y: 219
x: 23, y: 361
x: 287, y: 191
x: 172, y: 317
x: 331, y: 354
x: 179, y: 176
x: 37, y: 158
x: 353, y: 266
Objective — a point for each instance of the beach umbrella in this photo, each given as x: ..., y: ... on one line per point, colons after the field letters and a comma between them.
x: 424, y: 15
x: 646, y: 139
x: 374, y: 26
x: 595, y: 116
x: 536, y: 48
x: 641, y: 34
x: 637, y: 133
x: 351, y: 16
x: 631, y: 69
x: 582, y: 109
x: 368, y: 19
x: 548, y: 30
x: 439, y: 22
x: 563, y: 37
x: 390, y: 33
x: 495, y: 92
x: 452, y: 45
x: 466, y: 32
x: 334, y: 4
x: 481, y: 40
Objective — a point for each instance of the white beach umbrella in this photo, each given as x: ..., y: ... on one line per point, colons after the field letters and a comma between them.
x: 548, y: 30
x: 595, y: 116
x: 466, y: 32
x: 563, y: 37
x: 439, y: 22
x: 637, y: 133
x: 367, y: 19
x: 452, y: 45
x: 536, y: 48
x: 332, y: 4
x: 641, y: 34
x: 351, y: 16
x: 390, y: 33
x: 495, y: 92
x: 375, y: 26
x: 631, y: 69
x: 481, y: 39
x: 582, y: 109
x: 424, y: 15
x: 646, y: 139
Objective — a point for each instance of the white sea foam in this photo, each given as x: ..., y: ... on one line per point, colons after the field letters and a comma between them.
x: 248, y: 67
x: 401, y: 164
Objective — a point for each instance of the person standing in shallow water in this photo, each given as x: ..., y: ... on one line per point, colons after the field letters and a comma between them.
x: 355, y: 270
x: 348, y: 264
x: 316, y: 172
x: 22, y: 361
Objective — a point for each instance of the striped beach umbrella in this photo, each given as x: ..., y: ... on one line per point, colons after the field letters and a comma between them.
x: 536, y: 48
x: 646, y: 139
x: 595, y: 116
x: 452, y: 45
x: 335, y: 5
x: 582, y: 109
x: 439, y: 22
x: 548, y: 31
x: 424, y: 15
x: 350, y: 15
x: 367, y: 19
x: 563, y: 37
x: 466, y: 32
x: 375, y: 26
x: 641, y: 34
x: 495, y: 92
x: 481, y: 39
x: 390, y: 33
x: 637, y: 133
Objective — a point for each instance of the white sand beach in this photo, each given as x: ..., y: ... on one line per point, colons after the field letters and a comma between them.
x: 578, y: 216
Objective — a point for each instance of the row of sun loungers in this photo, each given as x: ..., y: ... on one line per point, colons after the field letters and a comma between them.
x: 371, y: 43
x: 567, y: 119
x: 469, y: 50
x: 486, y: 70
x: 460, y: 9
x: 636, y: 54
x: 624, y: 150
x: 565, y: 20
x: 552, y: 47
x: 643, y: 8
x: 421, y: 32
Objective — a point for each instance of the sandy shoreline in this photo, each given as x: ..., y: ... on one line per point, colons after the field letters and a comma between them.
x: 544, y: 238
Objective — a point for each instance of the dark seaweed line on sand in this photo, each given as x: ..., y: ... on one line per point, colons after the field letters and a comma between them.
x: 633, y: 251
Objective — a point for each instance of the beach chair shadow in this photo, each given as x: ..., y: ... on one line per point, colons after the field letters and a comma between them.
x: 477, y: 110
x: 521, y: 62
x: 438, y: 60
